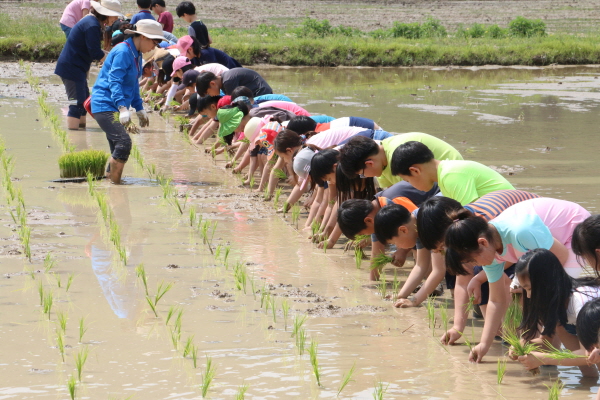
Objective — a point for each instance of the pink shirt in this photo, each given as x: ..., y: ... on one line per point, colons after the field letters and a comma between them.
x: 286, y: 105
x: 333, y: 137
x: 215, y: 68
x: 74, y: 12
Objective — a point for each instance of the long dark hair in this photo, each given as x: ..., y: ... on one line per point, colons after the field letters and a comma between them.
x: 353, y: 188
x: 588, y: 324
x: 433, y: 219
x: 586, y: 239
x: 462, y: 239
x: 288, y: 139
x: 551, y: 289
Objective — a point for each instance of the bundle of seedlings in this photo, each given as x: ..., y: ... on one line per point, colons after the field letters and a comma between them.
x: 130, y: 126
x: 81, y: 163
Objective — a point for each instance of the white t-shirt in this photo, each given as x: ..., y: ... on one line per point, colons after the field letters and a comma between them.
x: 580, y: 296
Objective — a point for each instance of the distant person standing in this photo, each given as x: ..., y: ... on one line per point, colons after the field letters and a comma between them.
x: 187, y: 11
x: 73, y: 13
x: 144, y: 13
x: 83, y: 46
x: 165, y: 18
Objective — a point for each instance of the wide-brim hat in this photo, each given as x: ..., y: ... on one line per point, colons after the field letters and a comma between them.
x: 110, y: 8
x: 229, y: 120
x: 149, y: 28
x: 159, y: 56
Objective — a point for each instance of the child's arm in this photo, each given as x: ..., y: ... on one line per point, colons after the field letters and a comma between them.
x: 198, y: 122
x: 273, y: 179
x: 333, y: 237
x: 435, y: 266
x: 474, y: 287
x: 314, y: 207
x: 210, y: 128
x: 376, y: 249
x: 461, y: 300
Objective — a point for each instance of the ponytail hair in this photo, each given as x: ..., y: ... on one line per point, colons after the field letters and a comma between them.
x: 462, y: 239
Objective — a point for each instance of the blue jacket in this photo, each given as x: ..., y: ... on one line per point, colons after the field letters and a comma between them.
x: 118, y: 82
x: 142, y: 14
x: 82, y: 47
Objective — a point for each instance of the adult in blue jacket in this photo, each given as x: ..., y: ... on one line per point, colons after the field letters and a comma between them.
x: 117, y: 89
x: 83, y: 46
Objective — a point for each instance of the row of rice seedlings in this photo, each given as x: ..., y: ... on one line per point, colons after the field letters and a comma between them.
x: 314, y: 362
x: 161, y: 290
x: 170, y: 193
x: 52, y: 119
x: 110, y: 222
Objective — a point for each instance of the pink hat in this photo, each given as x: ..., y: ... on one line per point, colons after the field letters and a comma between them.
x: 184, y: 43
x: 179, y: 63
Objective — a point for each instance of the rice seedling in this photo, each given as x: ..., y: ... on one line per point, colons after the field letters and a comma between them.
x: 71, y: 386
x: 82, y: 329
x: 170, y: 314
x: 346, y: 379
x: 58, y: 281
x: 175, y: 337
x: 444, y: 315
x: 141, y: 274
x: 207, y: 376
x: 192, y: 216
x: 312, y: 352
x: 80, y: 359
x: 358, y: 256
x: 519, y: 346
x: 194, y: 353
x: 252, y: 182
x: 276, y: 197
x: 69, y: 282
x: 25, y: 238
x: 274, y: 308
x: 559, y: 354
x: 48, y: 301
x: 61, y: 318
x: 49, y: 262
x: 177, y: 323
x: 188, y: 347
x: 295, y: 214
x: 514, y: 315
x: 82, y: 163
x: 161, y: 290
x: 279, y: 173
x: 325, y: 245
x: 241, y: 392
x: 298, y: 322
x: 226, y: 255
x: 240, y: 275
x: 285, y: 308
x: 382, y: 286
x: 501, y: 370
x: 301, y: 340
x: 264, y: 296
x: 380, y: 261
x: 60, y: 343
x: 217, y: 251
x: 555, y: 390
x: 41, y: 292
x: 395, y: 282
x: 379, y: 391
x: 152, y: 306
x: 430, y: 306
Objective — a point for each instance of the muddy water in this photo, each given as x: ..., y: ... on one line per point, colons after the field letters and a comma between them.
x: 536, y: 126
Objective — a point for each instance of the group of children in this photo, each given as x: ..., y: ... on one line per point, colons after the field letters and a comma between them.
x: 463, y: 221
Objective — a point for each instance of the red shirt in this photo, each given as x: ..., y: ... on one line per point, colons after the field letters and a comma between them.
x: 166, y: 18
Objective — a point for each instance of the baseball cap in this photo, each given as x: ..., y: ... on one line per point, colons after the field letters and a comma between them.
x: 189, y: 77
x: 302, y: 164
x: 229, y: 120
x: 224, y: 101
x: 179, y: 63
x: 184, y: 43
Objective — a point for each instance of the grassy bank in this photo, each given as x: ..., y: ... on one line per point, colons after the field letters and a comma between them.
x: 315, y: 43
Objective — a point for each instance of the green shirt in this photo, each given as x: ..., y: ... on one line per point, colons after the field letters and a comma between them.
x: 467, y: 181
x: 441, y: 151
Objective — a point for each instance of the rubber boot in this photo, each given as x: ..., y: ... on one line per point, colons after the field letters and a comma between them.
x: 73, y: 123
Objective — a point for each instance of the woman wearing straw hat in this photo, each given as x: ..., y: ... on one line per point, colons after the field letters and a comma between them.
x: 117, y: 89
x: 83, y: 46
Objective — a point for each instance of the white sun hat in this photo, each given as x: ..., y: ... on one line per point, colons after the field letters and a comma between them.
x: 149, y: 28
x: 110, y: 8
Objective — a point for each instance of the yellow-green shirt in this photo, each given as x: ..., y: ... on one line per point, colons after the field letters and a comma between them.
x: 440, y: 149
x: 467, y: 181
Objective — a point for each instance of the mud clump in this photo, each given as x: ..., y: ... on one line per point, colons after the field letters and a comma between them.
x: 330, y: 310
x: 220, y: 295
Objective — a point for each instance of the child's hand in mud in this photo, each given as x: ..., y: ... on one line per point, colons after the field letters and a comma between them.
x: 450, y: 336
x: 404, y: 303
x: 330, y: 245
x: 474, y: 289
x: 477, y: 353
x: 593, y: 356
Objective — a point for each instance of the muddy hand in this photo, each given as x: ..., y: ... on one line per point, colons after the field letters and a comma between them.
x: 477, y: 353
x: 404, y: 303
x: 450, y: 336
x: 143, y: 118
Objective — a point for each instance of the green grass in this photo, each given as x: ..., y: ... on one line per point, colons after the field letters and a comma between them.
x: 80, y: 163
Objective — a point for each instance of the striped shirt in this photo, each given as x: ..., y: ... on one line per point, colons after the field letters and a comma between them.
x: 492, y: 204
